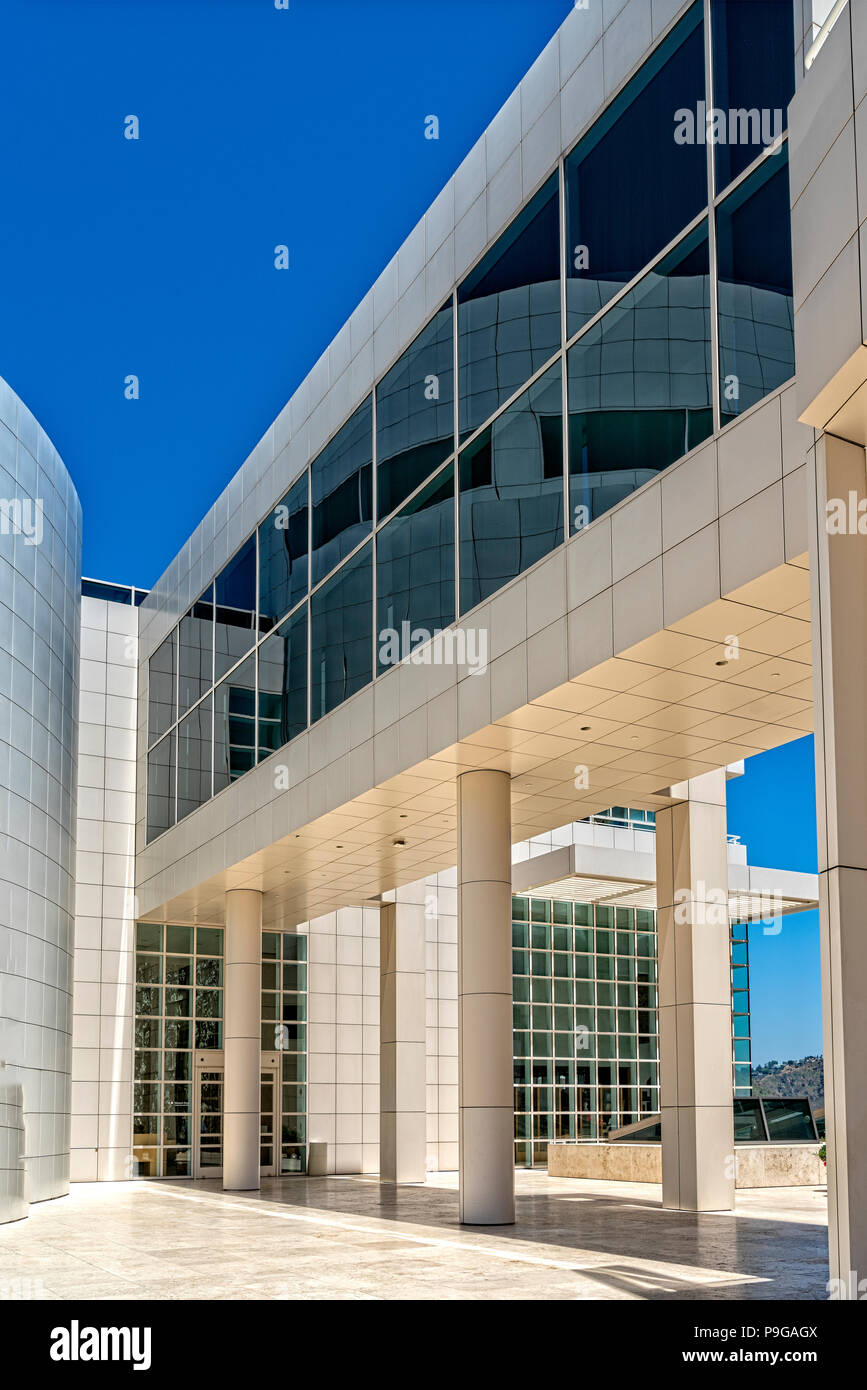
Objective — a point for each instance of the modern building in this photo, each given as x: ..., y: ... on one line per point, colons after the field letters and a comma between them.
x: 542, y: 531
x: 40, y: 569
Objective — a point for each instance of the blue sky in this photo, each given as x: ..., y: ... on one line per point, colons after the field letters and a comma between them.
x: 773, y: 808
x: 258, y: 127
x: 155, y: 257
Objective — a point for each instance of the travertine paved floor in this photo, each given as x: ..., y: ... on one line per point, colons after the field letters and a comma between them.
x: 352, y: 1238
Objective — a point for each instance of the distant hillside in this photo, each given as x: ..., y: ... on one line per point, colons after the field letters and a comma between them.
x: 804, y: 1078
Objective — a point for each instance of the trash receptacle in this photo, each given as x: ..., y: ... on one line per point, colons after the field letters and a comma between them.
x: 317, y: 1159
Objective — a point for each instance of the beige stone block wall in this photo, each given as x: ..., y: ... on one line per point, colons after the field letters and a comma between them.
x: 758, y: 1165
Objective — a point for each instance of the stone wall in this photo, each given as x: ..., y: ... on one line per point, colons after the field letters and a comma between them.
x: 758, y: 1165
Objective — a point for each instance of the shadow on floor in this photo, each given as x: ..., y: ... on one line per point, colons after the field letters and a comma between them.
x: 788, y: 1257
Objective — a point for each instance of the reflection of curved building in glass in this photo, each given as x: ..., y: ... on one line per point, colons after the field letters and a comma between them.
x: 40, y: 582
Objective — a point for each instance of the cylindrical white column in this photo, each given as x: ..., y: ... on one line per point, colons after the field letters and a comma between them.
x: 242, y: 993
x: 487, y: 1116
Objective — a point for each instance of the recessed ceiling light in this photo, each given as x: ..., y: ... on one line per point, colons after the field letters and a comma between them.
x: 721, y: 663
x: 585, y: 728
x: 398, y: 842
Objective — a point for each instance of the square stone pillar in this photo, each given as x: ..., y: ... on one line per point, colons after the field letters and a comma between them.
x: 838, y: 579
x: 402, y: 1104
x: 695, y: 1010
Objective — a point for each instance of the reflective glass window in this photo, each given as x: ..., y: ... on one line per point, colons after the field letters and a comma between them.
x: 753, y: 80
x: 161, y: 687
x: 283, y: 556
x: 235, y: 724
x: 341, y: 483
x: 415, y: 414
x: 194, y: 758
x: 283, y: 684
x: 509, y: 310
x: 632, y: 184
x: 196, y: 651
x: 511, y: 491
x: 341, y: 635
x: 236, y: 609
x: 640, y: 383
x: 415, y: 571
x: 161, y: 786
x: 756, y: 312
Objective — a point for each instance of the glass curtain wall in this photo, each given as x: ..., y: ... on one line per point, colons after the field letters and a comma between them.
x: 579, y: 358
x: 586, y: 1021
x: 179, y: 1013
x: 284, y: 1030
x: 178, y: 1010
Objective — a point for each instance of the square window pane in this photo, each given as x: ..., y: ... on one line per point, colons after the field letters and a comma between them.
x: 145, y: 1131
x: 178, y: 1098
x: 179, y: 970
x: 209, y: 1034
x: 148, y: 1000
x: 179, y: 940
x: 148, y: 1032
x: 176, y: 1163
x: 148, y: 970
x: 209, y: 941
x: 178, y: 1002
x: 146, y: 1097
x: 209, y: 970
x: 147, y: 1066
x: 148, y: 936
x: 177, y: 1066
x: 209, y: 1003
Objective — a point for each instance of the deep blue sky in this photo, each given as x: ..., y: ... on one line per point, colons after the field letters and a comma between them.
x: 155, y: 257
x: 773, y: 808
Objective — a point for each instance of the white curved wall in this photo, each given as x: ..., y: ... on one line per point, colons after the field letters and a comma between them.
x: 40, y: 585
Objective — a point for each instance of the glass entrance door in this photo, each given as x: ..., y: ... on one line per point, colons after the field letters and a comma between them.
x: 209, y: 1122
x: 208, y: 1119
x: 268, y: 1123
